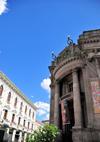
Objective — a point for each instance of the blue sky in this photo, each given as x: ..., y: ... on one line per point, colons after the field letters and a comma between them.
x: 30, y: 30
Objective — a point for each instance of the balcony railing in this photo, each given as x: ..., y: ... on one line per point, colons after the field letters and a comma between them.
x: 29, y: 130
x: 66, y: 96
x: 6, y: 123
x: 19, y: 127
x: 13, y: 125
x: 24, y: 129
x: 63, y: 56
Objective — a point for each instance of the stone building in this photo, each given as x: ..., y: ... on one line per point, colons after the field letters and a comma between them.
x: 75, y: 76
x: 17, y: 112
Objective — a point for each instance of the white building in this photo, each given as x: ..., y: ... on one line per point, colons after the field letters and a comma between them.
x: 17, y: 112
x: 39, y: 124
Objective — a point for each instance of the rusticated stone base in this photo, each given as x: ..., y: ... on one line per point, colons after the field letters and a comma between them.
x: 86, y: 135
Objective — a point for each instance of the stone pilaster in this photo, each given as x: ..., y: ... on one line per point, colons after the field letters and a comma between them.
x: 77, y: 101
x: 6, y: 135
x: 56, y: 110
x: 25, y: 134
x: 97, y: 67
x: 20, y: 136
x: 13, y: 135
x: 52, y: 102
x: 87, y: 97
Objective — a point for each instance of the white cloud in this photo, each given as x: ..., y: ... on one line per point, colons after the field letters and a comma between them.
x: 42, y: 105
x: 47, y: 116
x: 45, y: 84
x: 41, y: 112
x: 3, y: 6
x: 32, y: 96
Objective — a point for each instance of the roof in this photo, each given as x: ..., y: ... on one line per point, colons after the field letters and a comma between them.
x: 2, y: 76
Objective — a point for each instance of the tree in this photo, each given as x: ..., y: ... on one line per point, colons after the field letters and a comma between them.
x: 45, y: 134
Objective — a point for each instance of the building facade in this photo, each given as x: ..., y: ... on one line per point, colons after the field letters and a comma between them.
x: 38, y: 124
x: 75, y: 76
x: 17, y: 112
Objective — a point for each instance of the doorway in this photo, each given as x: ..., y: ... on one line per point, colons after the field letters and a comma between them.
x: 67, y: 128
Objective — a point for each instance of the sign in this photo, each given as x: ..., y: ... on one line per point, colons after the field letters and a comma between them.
x: 65, y: 112
x: 96, y: 96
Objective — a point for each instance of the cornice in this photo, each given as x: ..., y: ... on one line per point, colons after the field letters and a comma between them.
x: 5, y: 79
x: 70, y: 59
x: 39, y: 122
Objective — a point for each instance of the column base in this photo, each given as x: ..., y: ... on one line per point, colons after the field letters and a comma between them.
x: 77, y: 127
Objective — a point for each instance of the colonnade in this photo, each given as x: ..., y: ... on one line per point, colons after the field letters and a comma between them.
x: 6, y: 135
x: 76, y: 102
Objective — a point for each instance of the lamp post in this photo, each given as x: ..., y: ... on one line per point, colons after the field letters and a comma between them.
x: 69, y: 41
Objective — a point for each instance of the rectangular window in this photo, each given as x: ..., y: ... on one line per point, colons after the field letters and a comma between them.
x: 24, y: 123
x: 5, y: 114
x: 71, y: 87
x: 19, y: 120
x: 13, y: 116
x: 32, y: 127
x: 28, y: 125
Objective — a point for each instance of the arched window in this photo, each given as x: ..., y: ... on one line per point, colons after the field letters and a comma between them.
x: 25, y: 109
x: 9, y: 96
x: 21, y: 106
x: 15, y: 102
x: 33, y: 115
x: 1, y: 90
x: 29, y: 112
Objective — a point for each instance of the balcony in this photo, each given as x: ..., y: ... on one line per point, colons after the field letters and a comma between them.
x: 29, y: 130
x: 32, y: 131
x: 13, y: 125
x: 19, y: 127
x: 67, y: 96
x: 6, y: 123
x: 24, y: 129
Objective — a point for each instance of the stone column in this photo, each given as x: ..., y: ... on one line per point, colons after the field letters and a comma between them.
x: 6, y: 135
x: 87, y: 96
x: 52, y: 86
x: 20, y: 136
x: 97, y: 67
x: 56, y: 110
x: 13, y: 135
x: 76, y: 101
x: 25, y: 137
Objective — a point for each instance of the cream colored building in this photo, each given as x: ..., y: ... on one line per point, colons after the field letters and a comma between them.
x: 38, y: 124
x: 17, y: 112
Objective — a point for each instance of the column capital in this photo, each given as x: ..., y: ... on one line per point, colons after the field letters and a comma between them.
x: 74, y: 70
x: 57, y: 81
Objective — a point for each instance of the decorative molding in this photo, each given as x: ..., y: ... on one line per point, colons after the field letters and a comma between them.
x: 3, y: 77
x: 7, y: 106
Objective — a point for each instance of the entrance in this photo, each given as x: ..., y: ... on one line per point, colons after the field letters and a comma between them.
x: 67, y: 128
x: 1, y: 135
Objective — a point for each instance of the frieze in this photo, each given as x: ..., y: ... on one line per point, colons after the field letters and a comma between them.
x: 65, y: 62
